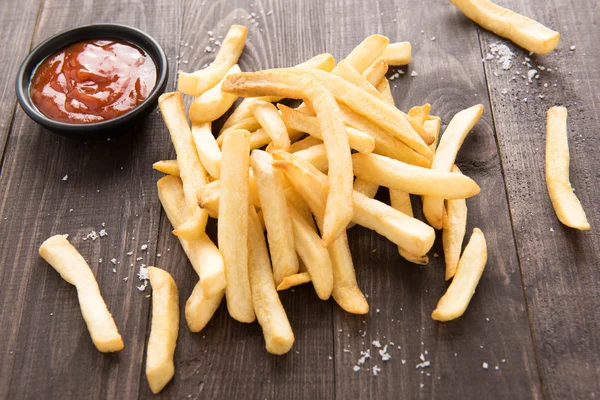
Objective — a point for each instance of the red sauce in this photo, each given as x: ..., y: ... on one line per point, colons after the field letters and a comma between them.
x: 92, y: 81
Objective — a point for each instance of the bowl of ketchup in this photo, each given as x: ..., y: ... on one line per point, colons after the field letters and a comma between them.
x: 94, y: 80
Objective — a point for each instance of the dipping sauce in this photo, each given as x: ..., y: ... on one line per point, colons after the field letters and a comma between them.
x: 92, y: 81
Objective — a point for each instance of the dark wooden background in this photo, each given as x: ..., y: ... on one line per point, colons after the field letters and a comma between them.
x: 536, y: 306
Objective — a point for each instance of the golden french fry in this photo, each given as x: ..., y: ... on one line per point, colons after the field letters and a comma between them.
x: 314, y: 256
x: 281, y: 83
x: 299, y: 121
x: 316, y: 155
x: 233, y: 224
x: 305, y: 143
x: 376, y: 72
x: 164, y: 330
x: 454, y: 225
x: 367, y: 188
x: 268, y: 117
x: 191, y: 171
x: 207, y: 148
x: 383, y: 87
x: 199, y: 309
x: 400, y: 201
x: 470, y: 267
x: 433, y: 126
x: 420, y: 113
x: 249, y: 124
x: 525, y: 32
x: 452, y: 139
x: 212, y: 104
x: 295, y: 200
x: 566, y: 204
x: 169, y: 167
x: 397, y: 53
x: 66, y: 260
x: 209, y: 195
x: 202, y: 252
x: 260, y: 138
x: 199, y: 82
x: 395, y: 174
x: 349, y: 74
x: 375, y: 109
x: 294, y: 280
x: 280, y: 232
x: 271, y: 316
x: 365, y: 54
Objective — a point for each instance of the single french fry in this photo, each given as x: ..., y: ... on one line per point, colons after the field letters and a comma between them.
x: 420, y: 113
x: 212, y: 104
x: 566, y: 205
x: 169, y: 167
x: 358, y: 140
x: 349, y: 74
x: 249, y: 124
x: 280, y: 232
x: 66, y: 260
x: 316, y: 155
x: 433, y: 126
x: 400, y: 201
x: 367, y: 188
x: 268, y: 117
x: 209, y: 195
x: 454, y: 225
x: 164, y: 329
x: 450, y: 142
x: 233, y: 224
x: 297, y: 201
x: 271, y: 316
x: 207, y: 148
x: 231, y: 49
x: 199, y: 309
x: 305, y: 143
x: 191, y: 171
x: 383, y: 87
x: 365, y: 54
x: 470, y: 268
x: 395, y: 174
x: 397, y: 53
x: 294, y: 280
x: 525, y: 32
x: 202, y: 252
x: 376, y: 72
x: 283, y: 83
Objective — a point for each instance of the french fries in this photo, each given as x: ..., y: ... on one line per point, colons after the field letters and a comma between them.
x: 376, y: 72
x: 294, y: 280
x: 304, y: 144
x: 395, y: 174
x: 400, y: 201
x: 470, y: 268
x: 191, y: 171
x: 454, y: 225
x: 199, y: 82
x: 212, y: 104
x: 268, y: 117
x: 365, y: 54
x: 271, y: 316
x: 566, y: 205
x: 367, y: 188
x: 169, y: 167
x: 199, y: 308
x: 280, y: 232
x: 397, y: 53
x: 349, y: 74
x: 383, y: 87
x: 279, y: 83
x: 66, y: 260
x: 525, y: 32
x: 450, y: 143
x: 207, y: 148
x: 420, y: 113
x: 316, y: 155
x: 164, y: 330
x: 233, y: 224
x: 433, y: 126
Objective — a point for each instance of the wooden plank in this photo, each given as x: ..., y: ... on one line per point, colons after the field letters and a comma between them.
x: 17, y: 22
x: 45, y: 347
x: 228, y: 359
x: 559, y: 265
x: 402, y: 295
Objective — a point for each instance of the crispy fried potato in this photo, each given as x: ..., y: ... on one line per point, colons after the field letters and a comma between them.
x: 209, y: 195
x: 454, y: 225
x: 294, y: 280
x: 470, y: 267
x: 233, y: 224
x: 525, y: 32
x: 349, y: 74
x: 420, y: 113
x: 199, y: 309
x: 376, y: 72
x: 397, y: 53
x: 271, y: 316
x: 212, y: 104
x: 250, y: 124
x: 304, y: 144
x: 164, y: 330
x: 280, y: 83
x: 395, y: 174
x: 295, y: 200
x: 316, y: 155
x: 207, y: 148
x: 400, y: 201
x: 268, y: 117
x: 566, y: 205
x: 169, y: 167
x: 199, y: 82
x: 191, y: 171
x: 365, y: 54
x: 66, y: 260
x: 280, y: 232
x: 383, y: 87
x: 433, y: 126
x: 367, y: 188
x: 450, y: 143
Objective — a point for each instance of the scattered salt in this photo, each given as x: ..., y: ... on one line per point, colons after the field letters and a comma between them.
x: 144, y: 247
x: 376, y: 370
x: 485, y: 365
x: 64, y: 178
x: 413, y: 74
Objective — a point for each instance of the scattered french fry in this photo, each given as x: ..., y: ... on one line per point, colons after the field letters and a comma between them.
x: 454, y: 227
x: 376, y: 72
x: 420, y: 113
x: 207, y: 148
x: 433, y: 126
x: 169, y: 167
x: 212, y: 104
x: 199, y: 308
x: 66, y: 260
x: 400, y: 201
x: 566, y: 204
x: 294, y: 280
x: 383, y: 87
x: 365, y: 54
x: 268, y: 117
x: 397, y: 53
x: 164, y: 330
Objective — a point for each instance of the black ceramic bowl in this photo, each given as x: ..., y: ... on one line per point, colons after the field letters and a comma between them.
x: 111, y: 127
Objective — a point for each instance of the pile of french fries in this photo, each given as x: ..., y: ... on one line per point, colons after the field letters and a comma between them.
x: 305, y: 175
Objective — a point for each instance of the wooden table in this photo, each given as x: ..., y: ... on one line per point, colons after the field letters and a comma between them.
x: 534, y: 319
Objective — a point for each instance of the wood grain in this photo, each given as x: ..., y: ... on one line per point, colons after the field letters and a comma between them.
x: 559, y: 264
x: 44, y: 345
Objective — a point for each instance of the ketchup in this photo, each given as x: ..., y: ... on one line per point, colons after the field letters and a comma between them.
x: 92, y: 81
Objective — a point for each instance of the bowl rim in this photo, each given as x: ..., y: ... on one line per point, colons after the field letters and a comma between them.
x: 85, y: 32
